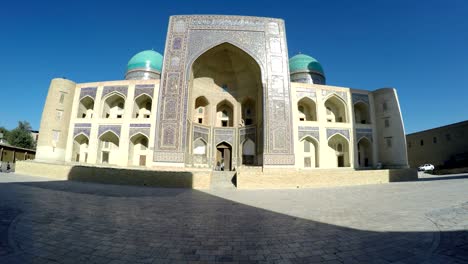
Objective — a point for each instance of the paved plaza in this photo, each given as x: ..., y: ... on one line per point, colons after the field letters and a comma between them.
x: 43, y: 221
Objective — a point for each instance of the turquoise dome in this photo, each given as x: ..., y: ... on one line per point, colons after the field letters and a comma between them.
x: 148, y: 59
x: 302, y: 62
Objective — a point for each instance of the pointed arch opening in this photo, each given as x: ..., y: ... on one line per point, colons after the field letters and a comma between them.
x: 108, y: 148
x: 335, y: 110
x: 201, y: 112
x: 224, y: 114
x: 364, y: 147
x: 86, y: 107
x: 223, y: 156
x: 307, y: 109
x: 142, y: 106
x: 80, y: 148
x: 310, y: 152
x: 230, y: 80
x: 113, y: 106
x: 361, y: 113
x: 338, y: 147
x: 248, y: 152
x: 138, y: 150
x: 248, y: 112
x: 200, y: 151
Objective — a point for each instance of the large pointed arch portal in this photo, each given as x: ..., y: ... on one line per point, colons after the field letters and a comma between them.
x: 188, y: 38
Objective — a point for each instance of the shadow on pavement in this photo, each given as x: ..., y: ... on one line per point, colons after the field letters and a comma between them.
x: 442, y: 178
x: 128, y: 224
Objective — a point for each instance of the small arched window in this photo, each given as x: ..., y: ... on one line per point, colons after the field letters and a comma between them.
x: 339, y: 147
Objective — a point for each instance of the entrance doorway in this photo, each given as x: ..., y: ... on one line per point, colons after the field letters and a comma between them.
x: 142, y: 160
x: 223, y: 157
x: 340, y: 161
x: 105, y: 157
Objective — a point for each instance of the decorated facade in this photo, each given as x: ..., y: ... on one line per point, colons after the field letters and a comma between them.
x: 224, y: 95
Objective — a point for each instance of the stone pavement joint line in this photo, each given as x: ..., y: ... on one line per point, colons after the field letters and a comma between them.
x: 73, y: 222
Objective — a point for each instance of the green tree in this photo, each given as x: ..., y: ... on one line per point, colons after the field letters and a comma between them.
x: 21, y: 136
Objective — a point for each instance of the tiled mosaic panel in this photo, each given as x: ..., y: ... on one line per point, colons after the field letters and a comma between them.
x: 88, y: 91
x: 363, y: 132
x: 209, y: 31
x: 333, y: 131
x: 360, y: 98
x: 105, y: 128
x: 119, y: 88
x: 309, y: 131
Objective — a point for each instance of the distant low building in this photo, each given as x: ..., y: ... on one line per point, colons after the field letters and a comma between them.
x: 11, y: 154
x: 445, y: 145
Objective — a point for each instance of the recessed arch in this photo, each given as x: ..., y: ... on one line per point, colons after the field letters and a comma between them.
x: 138, y: 149
x: 338, y: 146
x: 248, y: 152
x: 227, y: 81
x: 364, y: 147
x: 335, y: 108
x: 361, y: 113
x: 108, y: 147
x: 86, y: 107
x: 113, y: 105
x: 239, y: 46
x: 248, y: 111
x: 225, y: 114
x: 307, y: 109
x: 310, y: 151
x: 142, y: 106
x: 80, y: 148
x: 201, y: 111
x: 223, y: 157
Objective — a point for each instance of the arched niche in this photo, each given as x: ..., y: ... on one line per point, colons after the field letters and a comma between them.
x: 364, y: 147
x: 224, y: 114
x: 338, y: 148
x: 361, y: 113
x: 86, y: 107
x: 200, y: 152
x: 248, y: 152
x: 108, y: 148
x: 201, y: 113
x: 80, y: 148
x: 138, y: 150
x: 248, y: 111
x: 231, y: 82
x: 142, y: 106
x: 335, y: 110
x: 310, y: 152
x: 307, y: 109
x: 223, y: 157
x: 113, y: 106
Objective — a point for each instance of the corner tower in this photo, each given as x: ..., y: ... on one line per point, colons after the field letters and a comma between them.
x: 55, y: 121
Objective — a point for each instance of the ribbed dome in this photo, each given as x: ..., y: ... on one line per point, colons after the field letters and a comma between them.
x: 148, y: 59
x: 302, y: 63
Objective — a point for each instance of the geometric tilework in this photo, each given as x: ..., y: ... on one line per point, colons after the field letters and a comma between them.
x: 144, y: 89
x: 88, y: 91
x: 119, y: 88
x: 341, y: 131
x: 309, y: 131
x: 363, y: 132
x: 105, y: 128
x: 360, y: 98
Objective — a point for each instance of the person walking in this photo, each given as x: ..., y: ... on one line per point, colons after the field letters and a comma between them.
x: 8, y: 167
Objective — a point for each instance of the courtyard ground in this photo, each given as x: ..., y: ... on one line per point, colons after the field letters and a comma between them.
x: 43, y: 221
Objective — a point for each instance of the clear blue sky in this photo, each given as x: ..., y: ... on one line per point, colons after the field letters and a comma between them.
x: 418, y: 47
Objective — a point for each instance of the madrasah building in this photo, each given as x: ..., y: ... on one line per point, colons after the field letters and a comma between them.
x: 224, y: 95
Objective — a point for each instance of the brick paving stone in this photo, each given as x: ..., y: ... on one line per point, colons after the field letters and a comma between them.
x: 72, y: 222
